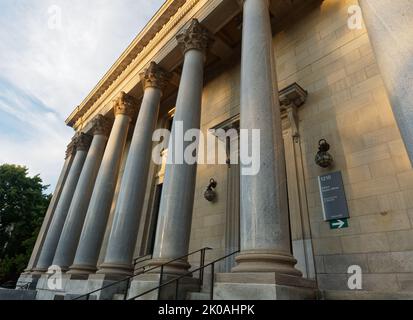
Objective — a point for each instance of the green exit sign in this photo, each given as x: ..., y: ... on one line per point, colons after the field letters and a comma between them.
x: 339, y: 224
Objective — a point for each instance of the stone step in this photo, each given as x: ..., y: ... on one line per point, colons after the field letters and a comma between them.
x: 118, y: 296
x: 13, y: 294
x: 71, y: 296
x: 365, y: 295
x: 198, y: 296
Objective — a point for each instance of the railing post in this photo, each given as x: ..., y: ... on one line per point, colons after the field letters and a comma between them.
x: 160, y: 283
x: 177, y: 289
x: 212, y: 280
x: 201, y: 264
x: 125, y: 297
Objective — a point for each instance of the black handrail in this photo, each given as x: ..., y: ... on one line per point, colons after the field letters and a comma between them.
x: 128, y: 279
x: 212, y: 264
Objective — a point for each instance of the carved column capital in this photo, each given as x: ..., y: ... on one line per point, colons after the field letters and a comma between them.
x: 70, y: 150
x: 101, y: 125
x: 124, y: 104
x: 82, y: 141
x: 155, y: 76
x: 195, y: 37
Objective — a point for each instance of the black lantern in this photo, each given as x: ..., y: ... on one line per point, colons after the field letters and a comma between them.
x: 210, y: 193
x: 323, y: 158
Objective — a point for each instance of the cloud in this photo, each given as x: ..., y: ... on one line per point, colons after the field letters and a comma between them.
x: 45, y: 72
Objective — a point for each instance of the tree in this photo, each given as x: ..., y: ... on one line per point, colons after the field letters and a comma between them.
x: 23, y: 205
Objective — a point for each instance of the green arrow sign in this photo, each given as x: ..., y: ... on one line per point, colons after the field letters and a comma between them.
x: 339, y: 224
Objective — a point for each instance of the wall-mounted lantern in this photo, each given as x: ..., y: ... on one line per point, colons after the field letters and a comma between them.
x: 210, y: 193
x: 323, y: 158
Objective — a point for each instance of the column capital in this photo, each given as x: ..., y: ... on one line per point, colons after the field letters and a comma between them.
x: 82, y: 141
x: 70, y: 150
x: 101, y: 125
x: 195, y: 37
x: 124, y: 104
x: 155, y: 76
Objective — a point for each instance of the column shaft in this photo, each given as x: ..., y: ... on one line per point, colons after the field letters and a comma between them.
x: 265, y: 238
x: 390, y: 25
x: 93, y: 231
x: 122, y: 240
x: 59, y: 217
x: 50, y: 211
x: 68, y: 242
x: 175, y: 213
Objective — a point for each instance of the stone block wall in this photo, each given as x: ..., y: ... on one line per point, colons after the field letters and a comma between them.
x: 348, y: 106
x: 220, y: 102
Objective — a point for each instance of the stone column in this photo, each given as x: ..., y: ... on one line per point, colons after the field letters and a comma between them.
x: 82, y: 142
x: 264, y: 224
x: 175, y: 214
x: 122, y: 239
x: 93, y: 231
x: 389, y: 25
x: 68, y: 242
x: 70, y: 152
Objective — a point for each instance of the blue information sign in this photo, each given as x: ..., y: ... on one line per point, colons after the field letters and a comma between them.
x: 333, y: 197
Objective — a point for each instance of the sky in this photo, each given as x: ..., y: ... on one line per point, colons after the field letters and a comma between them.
x: 52, y: 54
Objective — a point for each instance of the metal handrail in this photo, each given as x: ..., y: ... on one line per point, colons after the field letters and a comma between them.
x: 212, y: 264
x: 128, y: 279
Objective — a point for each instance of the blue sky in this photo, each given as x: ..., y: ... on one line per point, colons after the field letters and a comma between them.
x: 52, y: 53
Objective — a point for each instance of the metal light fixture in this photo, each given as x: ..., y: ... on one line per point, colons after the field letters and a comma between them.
x: 323, y: 158
x: 210, y: 193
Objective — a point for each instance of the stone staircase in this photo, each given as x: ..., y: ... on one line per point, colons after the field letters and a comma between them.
x: 13, y: 294
x: 198, y: 296
x: 364, y: 295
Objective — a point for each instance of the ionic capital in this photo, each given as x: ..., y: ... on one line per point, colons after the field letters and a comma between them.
x: 155, y: 76
x: 82, y: 141
x: 195, y: 37
x: 124, y: 104
x: 101, y: 125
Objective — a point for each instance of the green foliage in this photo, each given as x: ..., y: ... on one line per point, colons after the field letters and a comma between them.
x: 23, y: 205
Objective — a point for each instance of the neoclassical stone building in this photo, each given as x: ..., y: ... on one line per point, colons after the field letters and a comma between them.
x: 298, y: 72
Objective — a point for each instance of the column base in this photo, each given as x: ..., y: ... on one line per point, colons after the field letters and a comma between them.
x: 263, y: 286
x: 74, y: 286
x: 266, y: 261
x: 51, y: 289
x: 79, y: 269
x: 179, y: 267
x: 28, y: 281
x: 38, y: 271
x: 115, y: 269
x: 148, y: 282
x: 78, y: 287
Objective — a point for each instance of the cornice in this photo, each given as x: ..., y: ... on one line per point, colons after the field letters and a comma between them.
x: 168, y: 16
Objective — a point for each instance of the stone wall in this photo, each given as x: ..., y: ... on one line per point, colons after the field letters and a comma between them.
x: 348, y: 106
x: 220, y: 102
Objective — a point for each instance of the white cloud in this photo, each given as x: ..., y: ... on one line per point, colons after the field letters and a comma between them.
x: 56, y: 69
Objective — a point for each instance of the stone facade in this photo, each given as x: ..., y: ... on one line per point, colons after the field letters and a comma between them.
x: 348, y: 105
x: 344, y: 101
